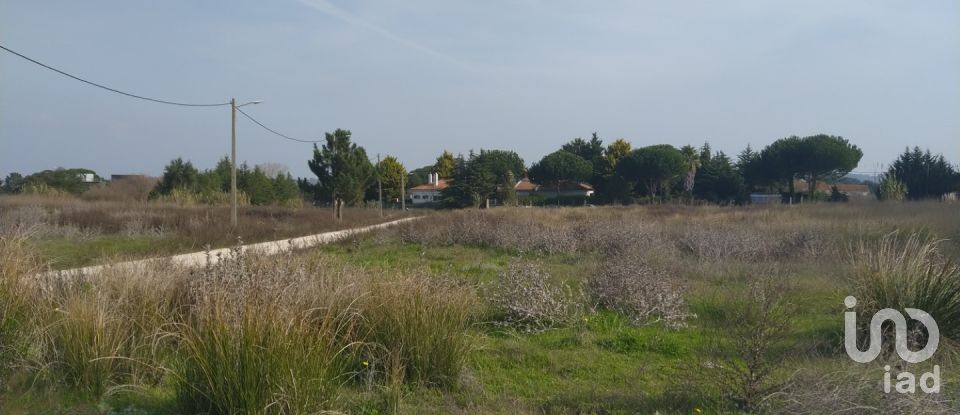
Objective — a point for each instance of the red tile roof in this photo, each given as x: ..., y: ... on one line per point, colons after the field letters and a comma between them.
x: 441, y: 184
x: 529, y: 186
x: 526, y: 185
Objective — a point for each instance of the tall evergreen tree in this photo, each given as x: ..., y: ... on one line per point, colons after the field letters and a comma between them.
x: 392, y: 176
x: 445, y: 165
x: 343, y: 170
x: 924, y: 174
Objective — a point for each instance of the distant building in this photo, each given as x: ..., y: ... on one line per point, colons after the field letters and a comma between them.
x: 526, y: 188
x: 88, y: 178
x: 765, y: 198
x: 852, y: 190
x: 429, y: 193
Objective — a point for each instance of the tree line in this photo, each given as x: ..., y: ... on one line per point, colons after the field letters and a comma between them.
x: 618, y: 173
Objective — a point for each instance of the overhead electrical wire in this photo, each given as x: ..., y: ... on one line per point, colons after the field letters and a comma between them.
x: 281, y: 135
x: 161, y: 101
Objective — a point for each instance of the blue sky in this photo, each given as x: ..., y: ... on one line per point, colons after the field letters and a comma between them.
x: 411, y: 78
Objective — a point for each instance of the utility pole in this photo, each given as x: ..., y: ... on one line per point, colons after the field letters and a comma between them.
x: 233, y: 158
x: 233, y: 162
x: 403, y: 192
x: 379, y: 186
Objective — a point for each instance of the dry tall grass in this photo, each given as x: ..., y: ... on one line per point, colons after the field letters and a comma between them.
x: 251, y: 334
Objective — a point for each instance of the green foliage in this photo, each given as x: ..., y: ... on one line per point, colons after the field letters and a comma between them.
x: 587, y: 150
x: 717, y: 179
x: 342, y: 168
x: 814, y: 158
x: 593, y: 152
x: 419, y: 176
x: 749, y: 168
x: 286, y: 192
x: 65, y: 180
x: 653, y: 166
x: 445, y: 166
x: 257, y: 186
x: 827, y: 157
x: 507, y: 191
x: 692, y: 157
x: 184, y: 184
x: 891, y: 188
x: 615, y: 152
x: 179, y: 174
x: 781, y: 162
x: 393, y: 177
x: 925, y: 175
x: 43, y: 189
x: 499, y: 163
x: 747, y: 357
x: 472, y: 184
x: 560, y: 166
x: 13, y: 183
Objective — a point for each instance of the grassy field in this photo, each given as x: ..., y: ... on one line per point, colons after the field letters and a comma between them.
x: 70, y: 232
x: 667, y: 309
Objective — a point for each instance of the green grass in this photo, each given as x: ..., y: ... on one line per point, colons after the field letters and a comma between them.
x: 602, y: 364
x: 598, y: 365
x: 66, y: 253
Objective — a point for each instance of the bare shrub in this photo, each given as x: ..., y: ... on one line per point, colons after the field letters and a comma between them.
x: 725, y: 243
x: 525, y: 297
x: 129, y: 189
x: 39, y: 222
x: 748, y: 351
x: 628, y: 285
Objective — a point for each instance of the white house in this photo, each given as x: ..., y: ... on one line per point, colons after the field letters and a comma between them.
x: 430, y: 192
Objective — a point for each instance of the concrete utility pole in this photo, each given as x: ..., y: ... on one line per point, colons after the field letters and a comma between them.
x: 379, y: 186
x: 233, y: 162
x: 403, y: 192
x: 233, y: 158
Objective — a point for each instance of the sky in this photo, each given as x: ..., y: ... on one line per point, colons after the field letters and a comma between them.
x: 413, y: 78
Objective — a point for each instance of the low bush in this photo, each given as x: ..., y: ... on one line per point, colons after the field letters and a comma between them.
x: 750, y: 346
x: 628, y: 285
x: 525, y: 297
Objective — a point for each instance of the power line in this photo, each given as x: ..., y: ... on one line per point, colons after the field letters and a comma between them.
x: 275, y: 131
x: 161, y: 101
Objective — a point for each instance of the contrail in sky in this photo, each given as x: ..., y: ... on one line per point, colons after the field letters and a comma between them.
x: 328, y: 8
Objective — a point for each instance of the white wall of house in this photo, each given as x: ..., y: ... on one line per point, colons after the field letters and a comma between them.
x: 419, y: 197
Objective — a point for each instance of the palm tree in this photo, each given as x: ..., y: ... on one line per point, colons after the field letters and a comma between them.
x: 692, y: 157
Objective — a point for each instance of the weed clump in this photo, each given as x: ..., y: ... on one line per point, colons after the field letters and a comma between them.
x: 749, y: 349
x: 629, y: 286
x: 909, y: 271
x: 525, y: 297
